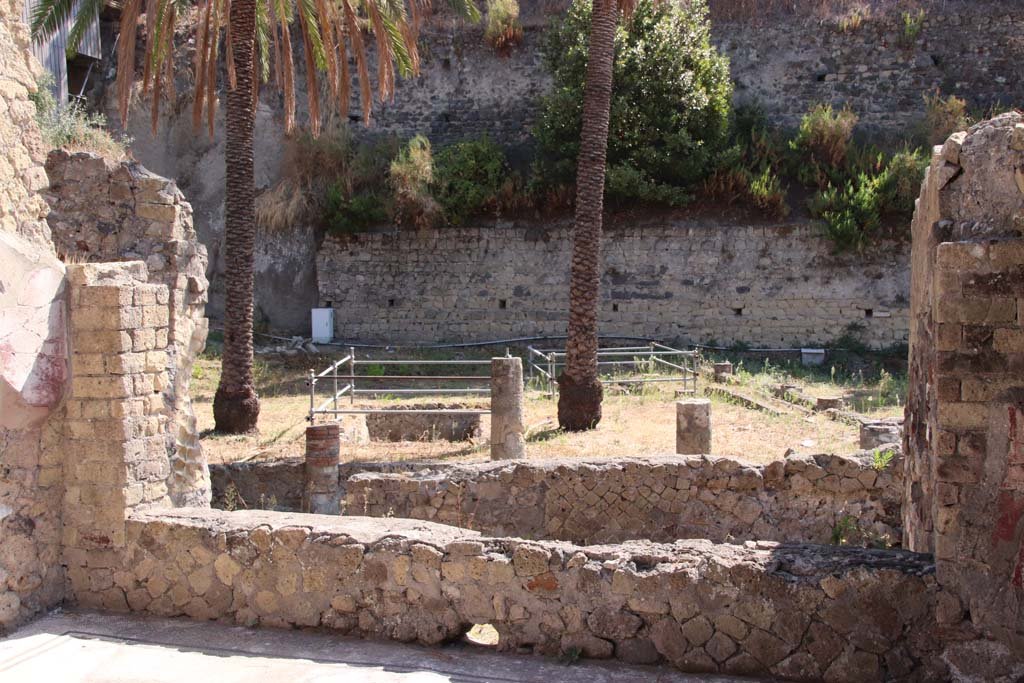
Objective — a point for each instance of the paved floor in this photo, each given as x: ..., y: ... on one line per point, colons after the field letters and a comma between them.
x: 105, y: 648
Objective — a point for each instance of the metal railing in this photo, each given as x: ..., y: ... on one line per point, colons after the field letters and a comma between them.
x: 544, y: 364
x: 346, y: 381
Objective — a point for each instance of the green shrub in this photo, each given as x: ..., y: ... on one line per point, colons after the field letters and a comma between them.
x: 503, y: 30
x: 72, y: 127
x: 822, y: 144
x: 913, y: 22
x: 344, y: 215
x: 944, y: 116
x: 670, y: 102
x: 411, y: 175
x: 901, y: 181
x: 750, y: 168
x: 469, y: 178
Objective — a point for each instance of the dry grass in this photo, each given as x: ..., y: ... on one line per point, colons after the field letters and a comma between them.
x: 633, y: 425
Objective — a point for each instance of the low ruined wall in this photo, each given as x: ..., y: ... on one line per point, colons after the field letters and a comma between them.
x: 774, y: 285
x: 105, y: 211
x: 800, y: 499
x: 798, y: 612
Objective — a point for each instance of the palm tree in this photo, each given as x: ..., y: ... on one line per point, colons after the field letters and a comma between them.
x: 579, y: 389
x: 256, y: 34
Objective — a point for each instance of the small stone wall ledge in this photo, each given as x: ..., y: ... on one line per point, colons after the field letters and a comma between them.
x: 757, y: 609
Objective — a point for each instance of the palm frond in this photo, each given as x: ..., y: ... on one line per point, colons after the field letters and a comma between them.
x: 466, y: 9
x: 88, y: 13
x: 203, y: 42
x: 312, y: 87
x: 126, y: 56
x: 359, y: 52
x: 48, y: 16
x: 263, y: 41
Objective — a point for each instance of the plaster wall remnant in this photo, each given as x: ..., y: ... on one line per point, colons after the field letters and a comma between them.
x: 118, y: 211
x: 964, y: 479
x: 33, y: 349
x: 662, y: 279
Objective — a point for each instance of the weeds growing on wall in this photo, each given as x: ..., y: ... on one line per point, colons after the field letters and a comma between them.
x: 503, y: 30
x: 411, y: 175
x: 72, y: 127
x: 913, y: 23
x: 944, y: 115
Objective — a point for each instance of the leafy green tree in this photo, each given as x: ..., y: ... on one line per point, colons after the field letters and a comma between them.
x: 670, y: 102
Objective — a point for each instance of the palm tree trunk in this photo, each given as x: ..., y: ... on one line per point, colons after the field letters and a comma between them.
x: 236, y: 405
x: 579, y: 390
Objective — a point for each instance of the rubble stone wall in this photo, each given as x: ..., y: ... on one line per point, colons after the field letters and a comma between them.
x: 801, y: 499
x: 33, y: 349
x: 965, y: 417
x: 876, y: 68
x: 769, y: 285
x: 103, y: 211
x: 608, y: 500
x: 797, y: 612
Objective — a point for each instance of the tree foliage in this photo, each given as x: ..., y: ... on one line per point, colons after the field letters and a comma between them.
x: 670, y: 101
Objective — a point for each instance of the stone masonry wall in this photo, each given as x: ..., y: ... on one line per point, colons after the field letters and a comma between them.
x: 115, y: 420
x: 770, y: 285
x: 106, y: 211
x: 801, y: 499
x: 786, y: 63
x: 963, y: 436
x: 798, y: 612
x: 33, y: 365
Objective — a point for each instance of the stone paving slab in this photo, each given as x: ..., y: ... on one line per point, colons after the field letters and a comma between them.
x: 91, y: 647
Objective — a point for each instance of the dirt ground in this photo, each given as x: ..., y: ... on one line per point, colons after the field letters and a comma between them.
x: 633, y: 425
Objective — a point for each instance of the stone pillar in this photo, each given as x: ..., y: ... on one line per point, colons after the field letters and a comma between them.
x: 323, y: 450
x: 693, y: 426
x: 722, y: 370
x: 116, y: 453
x: 507, y: 429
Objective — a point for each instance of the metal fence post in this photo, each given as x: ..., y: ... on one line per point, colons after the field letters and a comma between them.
x: 312, y: 396
x: 352, y: 374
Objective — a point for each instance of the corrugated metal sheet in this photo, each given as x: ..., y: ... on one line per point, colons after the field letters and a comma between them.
x: 52, y: 53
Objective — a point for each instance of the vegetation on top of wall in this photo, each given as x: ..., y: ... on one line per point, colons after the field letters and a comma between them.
x: 72, y: 127
x: 503, y: 30
x: 671, y: 101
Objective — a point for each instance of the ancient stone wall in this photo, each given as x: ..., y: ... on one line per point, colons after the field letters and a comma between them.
x: 963, y: 436
x: 114, y: 422
x: 768, y: 285
x: 33, y: 366
x: 785, y: 63
x: 801, y: 499
x: 105, y: 211
x: 798, y: 612
x: 608, y: 500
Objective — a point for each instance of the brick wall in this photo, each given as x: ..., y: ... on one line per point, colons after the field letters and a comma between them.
x: 964, y: 469
x: 768, y: 285
x: 114, y: 422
